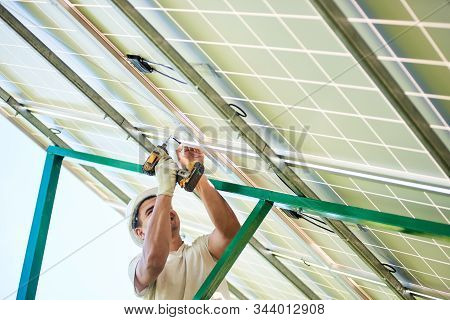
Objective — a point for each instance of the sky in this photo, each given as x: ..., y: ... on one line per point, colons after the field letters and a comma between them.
x: 74, y: 266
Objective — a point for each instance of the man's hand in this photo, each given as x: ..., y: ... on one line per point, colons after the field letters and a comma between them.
x: 187, y: 156
x: 166, y: 175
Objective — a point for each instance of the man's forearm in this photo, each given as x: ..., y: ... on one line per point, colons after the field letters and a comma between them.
x: 221, y: 214
x: 158, y: 233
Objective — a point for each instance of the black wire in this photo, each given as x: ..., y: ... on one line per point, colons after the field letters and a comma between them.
x: 318, y: 220
x: 317, y: 225
x: 239, y: 110
x: 390, y: 268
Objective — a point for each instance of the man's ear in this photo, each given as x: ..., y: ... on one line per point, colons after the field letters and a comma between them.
x: 139, y: 233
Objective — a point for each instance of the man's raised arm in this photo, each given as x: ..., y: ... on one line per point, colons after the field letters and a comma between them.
x: 222, y: 216
x: 157, y: 230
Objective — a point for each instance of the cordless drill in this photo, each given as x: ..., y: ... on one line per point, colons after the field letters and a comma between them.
x: 187, y: 178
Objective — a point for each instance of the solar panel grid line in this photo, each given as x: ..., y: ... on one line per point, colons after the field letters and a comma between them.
x: 405, y: 253
x: 414, y: 61
x: 407, y: 73
x: 424, y: 31
x: 438, y: 208
x: 73, y: 77
x: 408, y: 242
x: 239, y: 13
x: 265, y: 288
x: 381, y: 241
x: 318, y: 249
x: 48, y: 88
x: 433, y: 241
x: 86, y: 23
x: 427, y: 95
x: 255, y: 74
x: 233, y: 83
x: 318, y: 252
x: 343, y: 293
x: 356, y: 262
x: 339, y: 90
x: 406, y: 23
x: 316, y: 52
x: 333, y: 186
x: 356, y: 44
x: 367, y: 142
x: 253, y: 46
x: 410, y: 270
x: 59, y: 142
x: 412, y: 247
x: 296, y: 80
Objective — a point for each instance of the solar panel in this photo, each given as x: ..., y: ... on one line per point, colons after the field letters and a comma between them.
x: 302, y: 91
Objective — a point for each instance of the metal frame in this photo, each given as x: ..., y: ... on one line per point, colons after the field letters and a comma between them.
x: 280, y: 168
x: 41, y: 220
x: 39, y: 229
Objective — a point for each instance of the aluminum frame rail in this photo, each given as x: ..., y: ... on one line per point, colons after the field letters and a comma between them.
x: 55, y: 155
x: 361, y: 51
x: 281, y: 169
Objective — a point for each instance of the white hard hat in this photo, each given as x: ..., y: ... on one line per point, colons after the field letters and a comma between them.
x: 132, y: 207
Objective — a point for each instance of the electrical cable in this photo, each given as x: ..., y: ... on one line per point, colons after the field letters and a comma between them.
x: 306, y: 218
x: 239, y: 110
x: 390, y: 268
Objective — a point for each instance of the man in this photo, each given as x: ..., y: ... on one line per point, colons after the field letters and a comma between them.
x: 167, y: 268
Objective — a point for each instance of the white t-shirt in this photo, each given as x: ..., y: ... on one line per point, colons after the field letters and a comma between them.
x: 185, y: 271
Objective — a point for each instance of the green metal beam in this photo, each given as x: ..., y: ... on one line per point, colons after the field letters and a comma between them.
x: 321, y: 208
x: 233, y: 250
x: 361, y: 51
x: 39, y: 228
x: 337, y: 211
x: 109, y: 162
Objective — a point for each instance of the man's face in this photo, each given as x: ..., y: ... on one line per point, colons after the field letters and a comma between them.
x: 145, y: 212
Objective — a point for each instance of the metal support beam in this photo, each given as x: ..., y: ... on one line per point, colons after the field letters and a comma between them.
x: 318, y: 207
x: 285, y: 173
x: 233, y: 250
x: 27, y: 115
x: 236, y: 292
x: 39, y: 228
x: 284, y: 270
x: 361, y: 51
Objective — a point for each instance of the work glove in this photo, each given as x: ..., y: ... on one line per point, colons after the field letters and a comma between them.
x: 166, y: 175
